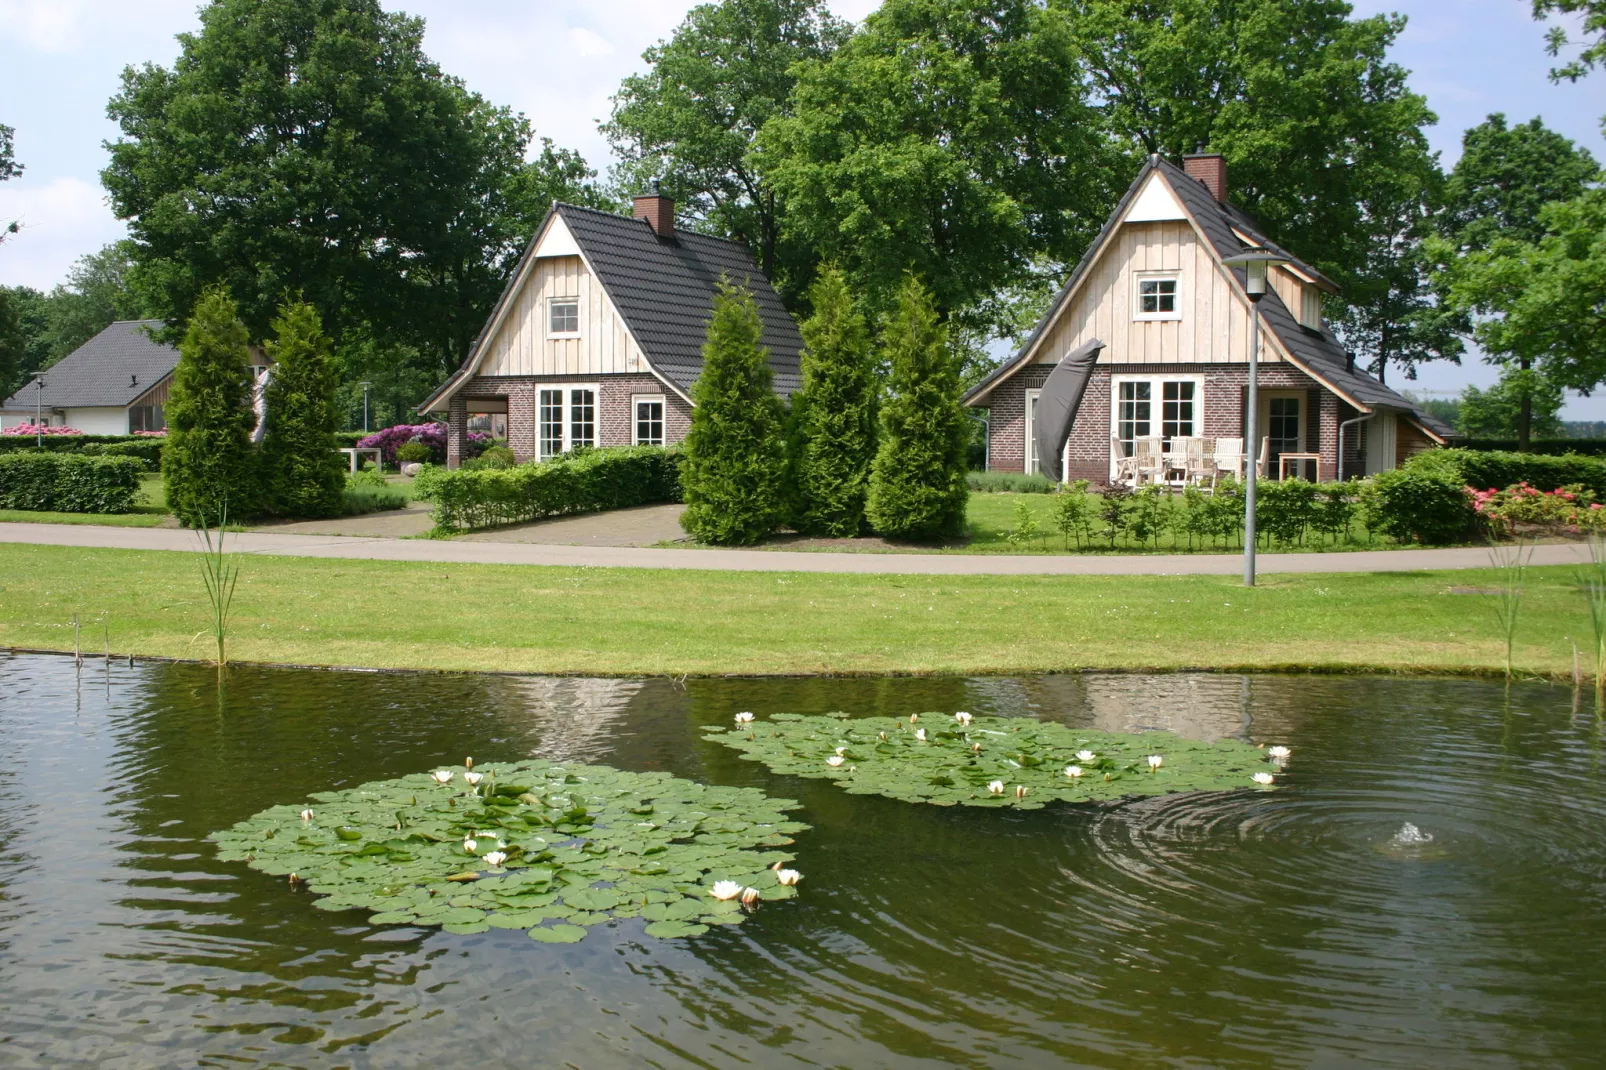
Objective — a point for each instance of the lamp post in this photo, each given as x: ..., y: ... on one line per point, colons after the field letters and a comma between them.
x: 365, y: 384
x: 38, y: 409
x: 1256, y: 263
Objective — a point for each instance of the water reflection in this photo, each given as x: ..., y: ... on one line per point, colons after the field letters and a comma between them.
x: 1220, y: 931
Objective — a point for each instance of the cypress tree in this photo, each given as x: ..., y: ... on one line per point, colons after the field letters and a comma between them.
x: 834, y: 417
x: 734, y: 474
x: 209, y: 463
x: 917, y: 484
x: 302, y: 472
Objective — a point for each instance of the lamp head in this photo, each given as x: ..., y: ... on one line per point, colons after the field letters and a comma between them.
x: 1256, y: 264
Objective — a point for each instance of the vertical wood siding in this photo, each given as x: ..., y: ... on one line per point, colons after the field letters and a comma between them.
x: 521, y: 345
x: 1214, y: 328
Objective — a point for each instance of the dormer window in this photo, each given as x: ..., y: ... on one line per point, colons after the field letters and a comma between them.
x: 1310, y: 307
x: 563, y: 317
x: 1157, y: 297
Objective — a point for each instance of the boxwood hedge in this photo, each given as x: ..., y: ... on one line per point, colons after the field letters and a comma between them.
x: 68, y: 483
x: 581, y: 482
x: 1496, y: 469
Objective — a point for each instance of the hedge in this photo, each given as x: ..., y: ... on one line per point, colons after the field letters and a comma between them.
x: 71, y: 443
x: 68, y: 483
x: 582, y: 482
x: 1588, y: 447
x: 1487, y: 470
x: 146, y: 450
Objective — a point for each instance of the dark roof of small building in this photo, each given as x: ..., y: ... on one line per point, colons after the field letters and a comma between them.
x: 112, y: 369
x: 664, y: 290
x: 1316, y: 348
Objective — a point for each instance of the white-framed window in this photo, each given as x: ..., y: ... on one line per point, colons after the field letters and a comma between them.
x: 565, y: 418
x: 1031, y: 430
x: 1146, y: 406
x: 647, y: 419
x: 563, y: 317
x: 1156, y: 295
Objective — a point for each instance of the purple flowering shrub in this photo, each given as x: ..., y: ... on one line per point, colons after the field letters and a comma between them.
x: 390, y: 440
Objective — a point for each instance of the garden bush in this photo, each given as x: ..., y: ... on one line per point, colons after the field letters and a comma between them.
x: 210, y: 465
x: 75, y: 443
x: 493, y: 457
x: 148, y: 451
x: 426, y: 481
x: 584, y: 482
x: 1421, y: 506
x: 433, y: 436
x: 1284, y: 509
x: 301, y: 472
x: 414, y: 453
x: 1489, y: 470
x: 361, y: 497
x: 1009, y: 482
x: 68, y: 483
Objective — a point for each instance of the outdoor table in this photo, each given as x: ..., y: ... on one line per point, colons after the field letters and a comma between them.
x: 1298, y: 458
x: 353, y: 452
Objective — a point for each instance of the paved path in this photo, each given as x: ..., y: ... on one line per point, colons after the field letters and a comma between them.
x: 508, y: 553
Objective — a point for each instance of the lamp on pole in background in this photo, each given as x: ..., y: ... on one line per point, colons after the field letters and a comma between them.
x: 365, y: 384
x: 38, y: 409
x: 1256, y: 264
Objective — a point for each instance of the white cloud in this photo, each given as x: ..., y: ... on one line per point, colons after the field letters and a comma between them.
x: 44, y: 25
x: 61, y: 220
x: 589, y: 43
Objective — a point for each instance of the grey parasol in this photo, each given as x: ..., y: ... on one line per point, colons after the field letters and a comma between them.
x: 1057, y: 404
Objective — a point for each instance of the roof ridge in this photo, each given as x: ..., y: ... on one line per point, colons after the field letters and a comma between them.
x: 635, y: 219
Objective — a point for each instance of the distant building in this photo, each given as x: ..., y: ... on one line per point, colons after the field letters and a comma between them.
x: 114, y: 384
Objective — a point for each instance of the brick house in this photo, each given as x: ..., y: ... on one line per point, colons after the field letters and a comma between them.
x: 1174, y: 320
x: 598, y: 336
x: 114, y: 384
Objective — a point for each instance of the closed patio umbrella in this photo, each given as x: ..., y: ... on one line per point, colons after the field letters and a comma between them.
x: 1057, y: 404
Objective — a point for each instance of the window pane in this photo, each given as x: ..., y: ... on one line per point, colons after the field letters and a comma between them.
x: 551, y: 421
x: 582, y: 418
x: 1157, y: 295
x: 649, y: 423
x: 1284, y: 430
x: 565, y: 317
x: 1133, y: 413
x: 1176, y: 417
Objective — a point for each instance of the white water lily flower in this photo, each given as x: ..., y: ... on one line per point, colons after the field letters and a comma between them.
x: 470, y: 845
x: 1073, y: 771
x: 468, y: 763
x: 750, y: 896
x: 744, y: 718
x: 473, y: 778
x: 443, y: 776
x: 788, y: 877
x: 963, y: 718
x: 1155, y: 762
x: 1279, y: 753
x: 975, y: 748
x: 1085, y: 756
x: 1264, y: 778
x: 835, y: 760
x: 842, y: 749
x: 307, y: 815
x: 996, y: 787
x: 725, y: 890
x: 1020, y: 791
x: 920, y: 734
x: 913, y: 717
x: 495, y: 858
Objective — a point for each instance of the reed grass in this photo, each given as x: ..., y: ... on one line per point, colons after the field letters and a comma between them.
x: 219, y: 575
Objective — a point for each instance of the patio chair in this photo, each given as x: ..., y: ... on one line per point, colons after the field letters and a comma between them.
x: 1260, y: 462
x: 1126, y: 467
x: 1229, y: 459
x: 1176, y: 458
x: 1201, y: 462
x: 1148, y: 454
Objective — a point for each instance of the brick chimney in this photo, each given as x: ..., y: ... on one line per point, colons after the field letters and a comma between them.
x: 1211, y: 169
x: 658, y: 211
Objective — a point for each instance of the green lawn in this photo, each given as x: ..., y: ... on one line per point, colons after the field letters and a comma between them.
x: 633, y: 621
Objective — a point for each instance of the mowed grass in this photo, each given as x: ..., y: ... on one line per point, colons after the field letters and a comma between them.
x: 598, y: 621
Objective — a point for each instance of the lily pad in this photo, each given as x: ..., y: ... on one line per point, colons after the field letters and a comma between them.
x: 531, y: 843
x: 989, y: 761
x: 668, y: 930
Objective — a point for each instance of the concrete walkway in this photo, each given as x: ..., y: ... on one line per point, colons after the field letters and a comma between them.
x: 509, y: 553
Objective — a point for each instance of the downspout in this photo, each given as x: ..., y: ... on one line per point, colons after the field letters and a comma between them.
x: 1341, y: 426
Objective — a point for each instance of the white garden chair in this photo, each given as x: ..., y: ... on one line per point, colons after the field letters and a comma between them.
x: 1229, y: 459
x: 1148, y: 452
x: 1126, y: 467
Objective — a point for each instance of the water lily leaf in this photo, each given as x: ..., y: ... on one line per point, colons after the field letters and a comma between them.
x: 559, y: 934
x: 669, y: 930
x: 468, y: 928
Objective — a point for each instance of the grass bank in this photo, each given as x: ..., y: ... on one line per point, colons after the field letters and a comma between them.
x: 382, y: 614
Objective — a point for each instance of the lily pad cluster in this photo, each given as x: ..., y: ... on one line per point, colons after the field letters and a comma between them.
x: 553, y: 848
x: 993, y: 761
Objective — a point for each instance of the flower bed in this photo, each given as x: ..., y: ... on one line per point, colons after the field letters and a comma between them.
x: 391, y: 439
x: 1524, y: 508
x: 34, y: 431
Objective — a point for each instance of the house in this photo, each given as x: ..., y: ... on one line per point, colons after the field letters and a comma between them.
x: 1174, y: 323
x: 598, y: 336
x: 114, y: 384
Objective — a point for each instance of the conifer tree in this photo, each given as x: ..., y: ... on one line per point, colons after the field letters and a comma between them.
x: 834, y: 417
x: 917, y: 484
x: 303, y: 473
x: 734, y: 474
x: 209, y: 463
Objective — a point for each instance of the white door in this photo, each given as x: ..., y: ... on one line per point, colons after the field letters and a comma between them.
x: 1380, y: 443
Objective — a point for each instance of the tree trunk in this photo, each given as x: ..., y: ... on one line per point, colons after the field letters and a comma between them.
x: 1525, y: 413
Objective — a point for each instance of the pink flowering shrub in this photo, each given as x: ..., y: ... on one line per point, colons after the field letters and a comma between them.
x: 151, y: 434
x: 433, y: 435
x: 33, y: 431
x: 1572, y: 507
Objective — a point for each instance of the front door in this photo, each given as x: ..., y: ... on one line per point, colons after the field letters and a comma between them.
x: 1285, y: 429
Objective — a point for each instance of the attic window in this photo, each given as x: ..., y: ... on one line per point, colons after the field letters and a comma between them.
x: 1310, y: 307
x: 1156, y: 297
x: 563, y: 318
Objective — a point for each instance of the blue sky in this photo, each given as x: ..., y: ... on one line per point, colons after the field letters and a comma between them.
x: 559, y: 60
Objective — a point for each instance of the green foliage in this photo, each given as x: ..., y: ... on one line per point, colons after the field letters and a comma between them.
x: 917, y: 484
x: 950, y: 138
x: 427, y: 481
x: 1505, y: 176
x: 1592, y: 51
x: 1492, y: 469
x: 1146, y: 516
x: 366, y: 476
x: 148, y: 451
x: 1073, y: 512
x: 315, y: 148
x: 690, y: 122
x: 582, y: 482
x: 1335, y: 508
x: 1285, y: 508
x: 492, y: 457
x: 834, y: 416
x: 734, y: 475
x: 414, y: 453
x: 1009, y: 483
x: 1024, y: 532
x: 1114, y: 503
x: 1496, y: 412
x: 209, y: 464
x: 357, y: 498
x: 1420, y: 506
x: 303, y: 474
x: 943, y: 761
x: 547, y: 847
x: 68, y: 483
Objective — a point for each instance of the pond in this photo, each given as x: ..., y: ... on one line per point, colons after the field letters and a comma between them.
x: 1427, y: 886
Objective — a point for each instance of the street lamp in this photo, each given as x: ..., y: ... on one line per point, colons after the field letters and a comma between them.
x: 365, y: 385
x: 38, y: 409
x: 1256, y: 263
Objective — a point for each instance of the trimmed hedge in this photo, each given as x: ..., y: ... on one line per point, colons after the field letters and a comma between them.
x: 148, y: 451
x: 1487, y: 470
x: 1588, y: 447
x: 68, y: 483
x: 71, y: 443
x: 581, y: 482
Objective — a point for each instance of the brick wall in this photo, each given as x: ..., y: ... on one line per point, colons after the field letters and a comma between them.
x: 1224, y: 386
x: 614, y: 414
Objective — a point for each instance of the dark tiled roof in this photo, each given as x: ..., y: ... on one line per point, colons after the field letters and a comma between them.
x: 111, y: 369
x: 664, y: 290
x: 1317, y: 349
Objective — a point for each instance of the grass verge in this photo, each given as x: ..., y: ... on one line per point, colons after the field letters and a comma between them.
x: 383, y: 614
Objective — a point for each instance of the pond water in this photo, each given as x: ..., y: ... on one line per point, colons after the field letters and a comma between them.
x: 1428, y: 888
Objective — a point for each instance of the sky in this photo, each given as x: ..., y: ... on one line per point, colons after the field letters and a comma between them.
x: 559, y: 61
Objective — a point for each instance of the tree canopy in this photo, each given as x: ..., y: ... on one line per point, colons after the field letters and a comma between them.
x: 1505, y: 176
x: 1592, y: 50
